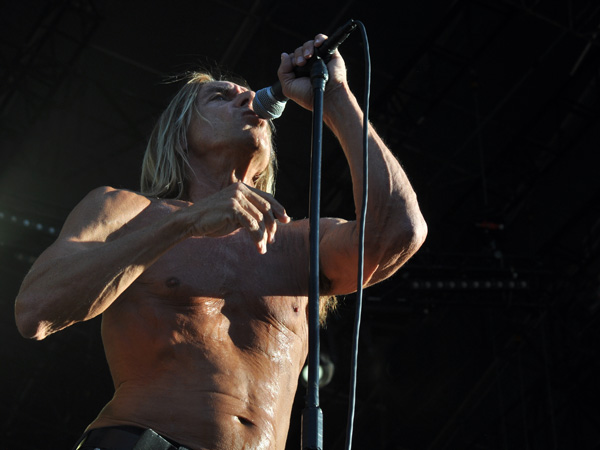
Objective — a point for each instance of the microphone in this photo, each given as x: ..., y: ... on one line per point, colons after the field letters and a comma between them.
x: 270, y: 102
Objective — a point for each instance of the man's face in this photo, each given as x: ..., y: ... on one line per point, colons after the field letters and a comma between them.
x: 225, y: 124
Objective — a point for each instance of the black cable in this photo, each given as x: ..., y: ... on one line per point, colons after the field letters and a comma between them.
x: 361, y: 240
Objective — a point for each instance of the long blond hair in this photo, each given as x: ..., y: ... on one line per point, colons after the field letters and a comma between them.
x: 166, y: 170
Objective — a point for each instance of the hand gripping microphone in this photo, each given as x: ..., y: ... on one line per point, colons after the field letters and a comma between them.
x: 269, y: 102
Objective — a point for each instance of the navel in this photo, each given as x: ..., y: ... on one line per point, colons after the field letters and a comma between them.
x: 172, y: 282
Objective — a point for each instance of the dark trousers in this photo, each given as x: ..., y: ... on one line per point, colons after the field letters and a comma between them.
x: 125, y: 438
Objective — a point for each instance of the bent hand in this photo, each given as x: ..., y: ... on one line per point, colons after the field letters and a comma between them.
x: 299, y: 89
x: 238, y: 206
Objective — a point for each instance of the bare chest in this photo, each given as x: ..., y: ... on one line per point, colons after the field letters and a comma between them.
x: 216, y: 267
x: 205, y: 275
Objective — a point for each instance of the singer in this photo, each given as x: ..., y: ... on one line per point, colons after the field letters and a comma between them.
x: 201, y: 278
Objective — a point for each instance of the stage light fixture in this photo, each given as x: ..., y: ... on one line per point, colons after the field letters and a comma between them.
x: 326, y: 370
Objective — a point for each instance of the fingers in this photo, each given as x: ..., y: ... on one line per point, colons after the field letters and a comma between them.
x: 257, y: 217
x: 319, y: 39
x: 303, y: 53
x: 249, y: 217
x: 296, y: 83
x: 258, y: 212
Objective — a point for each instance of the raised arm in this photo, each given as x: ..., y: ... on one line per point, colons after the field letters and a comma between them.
x: 104, y: 247
x: 395, y: 228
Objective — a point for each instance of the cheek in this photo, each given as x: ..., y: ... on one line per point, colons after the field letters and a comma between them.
x: 266, y: 136
x: 196, y: 129
x: 202, y: 133
x: 265, y: 145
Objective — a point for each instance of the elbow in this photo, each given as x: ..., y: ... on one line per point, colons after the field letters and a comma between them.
x: 407, y: 227
x: 400, y: 247
x: 411, y: 235
x: 403, y: 241
x: 410, y: 240
x: 31, y: 329
x: 28, y: 322
x: 418, y: 233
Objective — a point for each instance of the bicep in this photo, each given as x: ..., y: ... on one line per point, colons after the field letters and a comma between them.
x: 339, y: 257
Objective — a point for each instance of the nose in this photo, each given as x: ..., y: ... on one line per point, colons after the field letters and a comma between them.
x: 245, y: 98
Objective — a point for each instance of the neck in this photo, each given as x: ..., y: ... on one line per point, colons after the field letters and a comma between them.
x: 209, y: 177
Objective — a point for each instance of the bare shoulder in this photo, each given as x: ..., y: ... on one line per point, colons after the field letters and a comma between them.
x: 101, y: 212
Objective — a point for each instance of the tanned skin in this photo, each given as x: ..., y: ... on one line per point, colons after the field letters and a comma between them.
x: 204, y: 301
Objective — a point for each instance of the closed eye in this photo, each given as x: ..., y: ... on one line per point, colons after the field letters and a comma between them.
x: 218, y: 96
x: 220, y: 93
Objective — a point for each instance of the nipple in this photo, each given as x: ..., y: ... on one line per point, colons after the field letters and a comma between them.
x: 172, y: 282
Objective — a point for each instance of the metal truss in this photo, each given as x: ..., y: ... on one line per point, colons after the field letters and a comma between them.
x: 38, y: 66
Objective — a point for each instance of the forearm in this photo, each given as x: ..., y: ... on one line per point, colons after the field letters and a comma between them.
x: 395, y: 228
x: 394, y: 223
x: 80, y: 285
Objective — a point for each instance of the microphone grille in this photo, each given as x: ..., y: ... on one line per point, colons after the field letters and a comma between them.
x: 266, y: 105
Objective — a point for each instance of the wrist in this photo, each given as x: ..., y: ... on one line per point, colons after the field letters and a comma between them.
x: 180, y: 224
x: 340, y: 106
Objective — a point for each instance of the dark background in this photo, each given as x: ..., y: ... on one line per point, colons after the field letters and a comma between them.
x: 487, y: 339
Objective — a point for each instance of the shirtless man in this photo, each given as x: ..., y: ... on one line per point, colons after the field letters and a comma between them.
x: 204, y: 293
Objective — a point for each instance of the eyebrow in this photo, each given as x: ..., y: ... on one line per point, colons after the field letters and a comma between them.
x: 216, y: 88
x: 207, y: 90
x: 210, y: 89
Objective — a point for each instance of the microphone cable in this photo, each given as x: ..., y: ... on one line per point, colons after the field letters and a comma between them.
x: 361, y: 240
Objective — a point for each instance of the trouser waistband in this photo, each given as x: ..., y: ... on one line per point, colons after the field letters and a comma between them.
x: 125, y: 438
